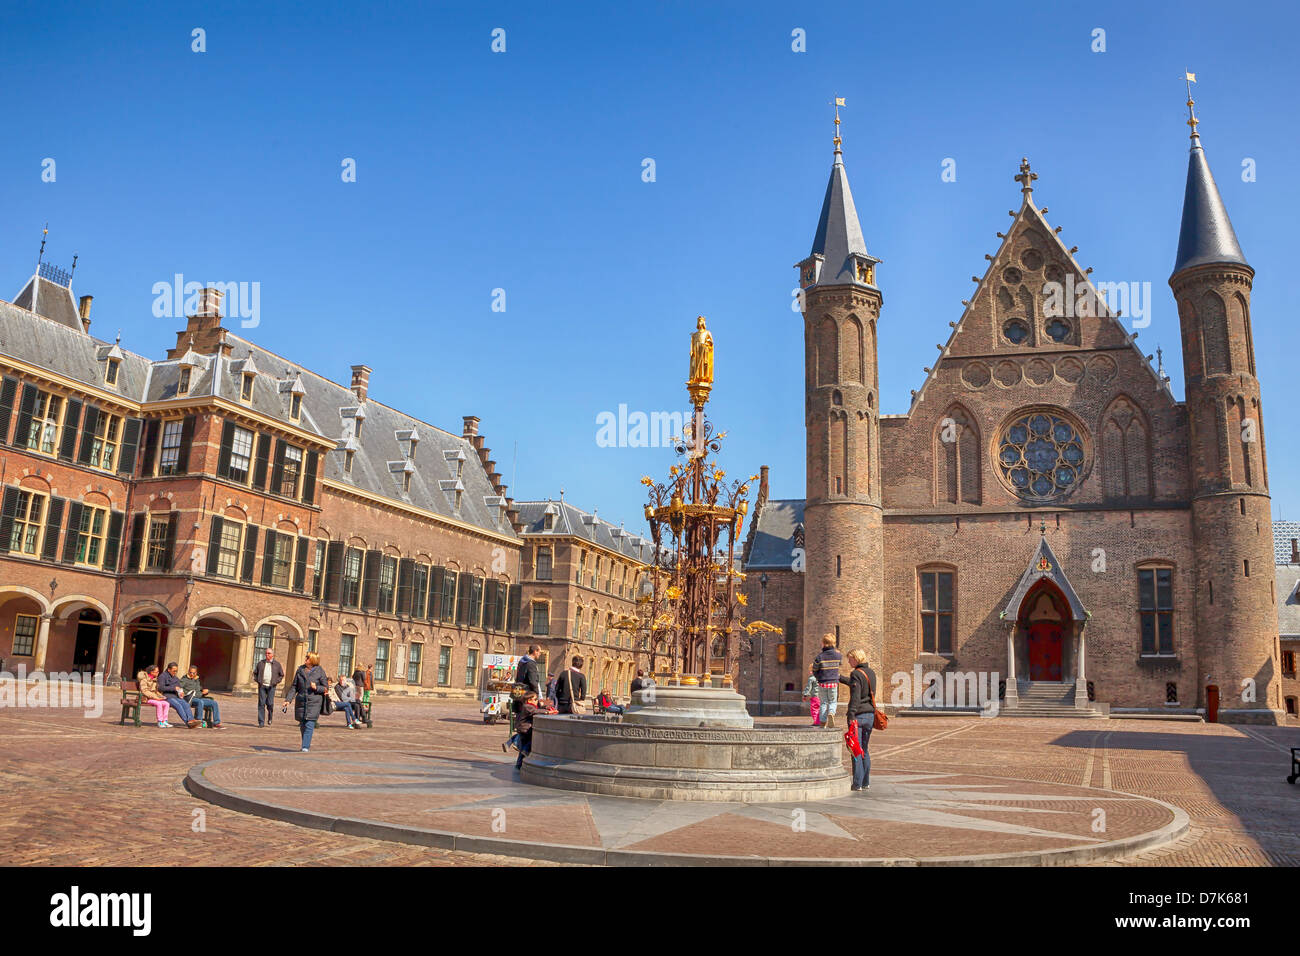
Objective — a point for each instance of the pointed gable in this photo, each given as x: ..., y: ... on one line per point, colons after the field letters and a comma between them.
x: 1043, y: 565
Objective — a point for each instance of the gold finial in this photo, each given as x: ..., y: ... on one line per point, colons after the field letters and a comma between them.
x: 1191, y: 105
x: 1026, y: 178
x: 839, y: 101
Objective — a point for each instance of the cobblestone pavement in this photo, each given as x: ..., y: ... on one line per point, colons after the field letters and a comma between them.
x: 82, y: 791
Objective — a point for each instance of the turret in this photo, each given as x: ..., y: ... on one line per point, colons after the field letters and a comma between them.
x: 1235, y: 614
x: 843, y: 589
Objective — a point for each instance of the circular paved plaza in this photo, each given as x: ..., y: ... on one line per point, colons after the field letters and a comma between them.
x: 429, y: 785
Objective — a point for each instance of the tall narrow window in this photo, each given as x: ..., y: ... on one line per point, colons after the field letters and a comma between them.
x: 47, y: 415
x: 232, y: 533
x: 352, y: 578
x: 169, y: 454
x: 263, y: 639
x: 157, y: 558
x: 292, y: 469
x: 413, y: 659
x: 543, y: 564
x: 387, y: 584
x: 246, y: 389
x: 90, y: 536
x: 444, y: 666
x: 347, y: 646
x: 318, y: 571
x: 471, y: 667
x: 24, y: 635
x: 241, y: 455
x: 103, y: 444
x: 382, y: 650
x: 110, y: 371
x: 25, y: 536
x: 183, y: 383
x: 936, y: 612
x: 1156, y: 608
x: 541, y: 618
x: 282, y: 561
x: 295, y: 407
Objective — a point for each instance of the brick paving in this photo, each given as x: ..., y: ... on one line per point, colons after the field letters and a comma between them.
x: 81, y: 791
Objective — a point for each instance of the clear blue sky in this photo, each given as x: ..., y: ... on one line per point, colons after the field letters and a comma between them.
x: 523, y: 171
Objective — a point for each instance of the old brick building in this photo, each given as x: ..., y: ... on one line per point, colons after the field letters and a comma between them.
x: 581, y: 577
x: 224, y: 499
x: 1286, y: 547
x: 1046, y: 509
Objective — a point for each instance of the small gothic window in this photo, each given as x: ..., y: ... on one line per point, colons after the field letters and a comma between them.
x: 837, y: 398
x: 1171, y: 693
x: 1016, y: 331
x: 1041, y: 455
x: 1059, y: 330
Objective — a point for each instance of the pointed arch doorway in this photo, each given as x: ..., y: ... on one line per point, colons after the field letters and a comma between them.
x: 1045, y: 620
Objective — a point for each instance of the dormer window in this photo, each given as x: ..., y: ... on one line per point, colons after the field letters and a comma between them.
x: 246, y: 389
x: 359, y: 422
x: 549, y: 522
x: 347, y: 461
x: 460, y: 468
x: 295, y: 407
x: 406, y: 481
x: 110, y: 371
x: 459, y: 493
x: 183, y: 384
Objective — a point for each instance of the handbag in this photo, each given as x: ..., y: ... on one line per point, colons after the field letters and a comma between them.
x: 579, y: 707
x: 326, y: 704
x: 878, y: 719
x: 851, y: 739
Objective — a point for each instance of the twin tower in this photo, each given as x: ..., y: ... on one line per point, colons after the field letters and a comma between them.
x: 1234, y: 615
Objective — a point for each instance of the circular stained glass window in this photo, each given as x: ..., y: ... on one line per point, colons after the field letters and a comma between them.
x: 1041, y: 455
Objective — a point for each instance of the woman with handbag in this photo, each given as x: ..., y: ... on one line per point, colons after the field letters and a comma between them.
x: 310, y: 693
x: 571, y: 689
x: 862, y: 716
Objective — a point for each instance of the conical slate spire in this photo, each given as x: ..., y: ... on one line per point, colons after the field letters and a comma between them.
x: 839, y: 235
x: 1207, y: 235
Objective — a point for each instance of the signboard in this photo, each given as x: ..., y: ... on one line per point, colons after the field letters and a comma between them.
x: 500, y: 660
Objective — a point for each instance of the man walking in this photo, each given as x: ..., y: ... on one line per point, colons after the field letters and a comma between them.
x: 527, y: 672
x: 826, y: 671
x: 266, y: 675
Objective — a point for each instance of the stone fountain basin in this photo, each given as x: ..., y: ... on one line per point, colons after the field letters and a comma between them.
x: 654, y: 761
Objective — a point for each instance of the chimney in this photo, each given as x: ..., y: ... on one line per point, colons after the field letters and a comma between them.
x: 210, y: 302
x: 1295, y: 551
x: 471, y: 426
x: 360, y: 381
x: 762, y: 482
x: 84, y: 312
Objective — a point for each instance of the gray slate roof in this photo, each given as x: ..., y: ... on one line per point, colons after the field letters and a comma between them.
x: 71, y: 352
x: 1288, y: 605
x: 328, y: 409
x: 68, y: 351
x: 1207, y: 234
x: 838, y: 231
x: 774, y: 534
x: 51, y: 300
x: 573, y: 521
x: 1283, y: 533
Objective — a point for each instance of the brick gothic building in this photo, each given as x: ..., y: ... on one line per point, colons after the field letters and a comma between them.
x: 201, y: 507
x: 1046, y: 508
x: 581, y: 575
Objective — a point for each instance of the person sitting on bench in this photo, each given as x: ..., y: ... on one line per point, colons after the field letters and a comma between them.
x: 606, y: 703
x: 200, y: 701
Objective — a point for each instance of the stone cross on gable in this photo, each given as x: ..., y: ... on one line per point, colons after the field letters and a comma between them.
x: 1026, y: 177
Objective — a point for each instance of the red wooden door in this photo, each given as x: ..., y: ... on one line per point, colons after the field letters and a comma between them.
x: 1045, y: 650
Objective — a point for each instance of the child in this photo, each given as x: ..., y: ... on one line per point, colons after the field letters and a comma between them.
x: 524, y: 725
x: 814, y: 699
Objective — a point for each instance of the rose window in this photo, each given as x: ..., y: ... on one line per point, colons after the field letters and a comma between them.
x: 1041, y: 455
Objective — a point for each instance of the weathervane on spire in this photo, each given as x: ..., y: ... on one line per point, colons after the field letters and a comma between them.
x: 1026, y: 178
x: 1191, y: 104
x: 45, y: 232
x: 839, y: 101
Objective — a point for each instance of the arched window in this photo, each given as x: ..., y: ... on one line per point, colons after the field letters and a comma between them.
x: 851, y: 347
x: 957, y: 457
x: 828, y: 352
x: 1214, y: 334
x: 1125, y: 451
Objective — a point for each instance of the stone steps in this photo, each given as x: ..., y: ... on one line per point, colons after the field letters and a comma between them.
x: 1046, y: 699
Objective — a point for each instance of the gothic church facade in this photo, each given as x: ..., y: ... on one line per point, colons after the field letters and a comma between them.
x: 1046, y: 510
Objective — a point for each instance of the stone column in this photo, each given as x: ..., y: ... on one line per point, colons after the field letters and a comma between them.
x: 295, y: 653
x: 42, y: 643
x: 1081, y: 681
x: 180, y: 640
x: 119, y: 651
x: 101, y: 654
x: 1013, y: 693
x: 241, y: 677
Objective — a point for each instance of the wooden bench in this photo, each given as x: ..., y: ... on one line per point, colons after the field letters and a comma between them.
x: 132, y: 701
x: 600, y: 711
